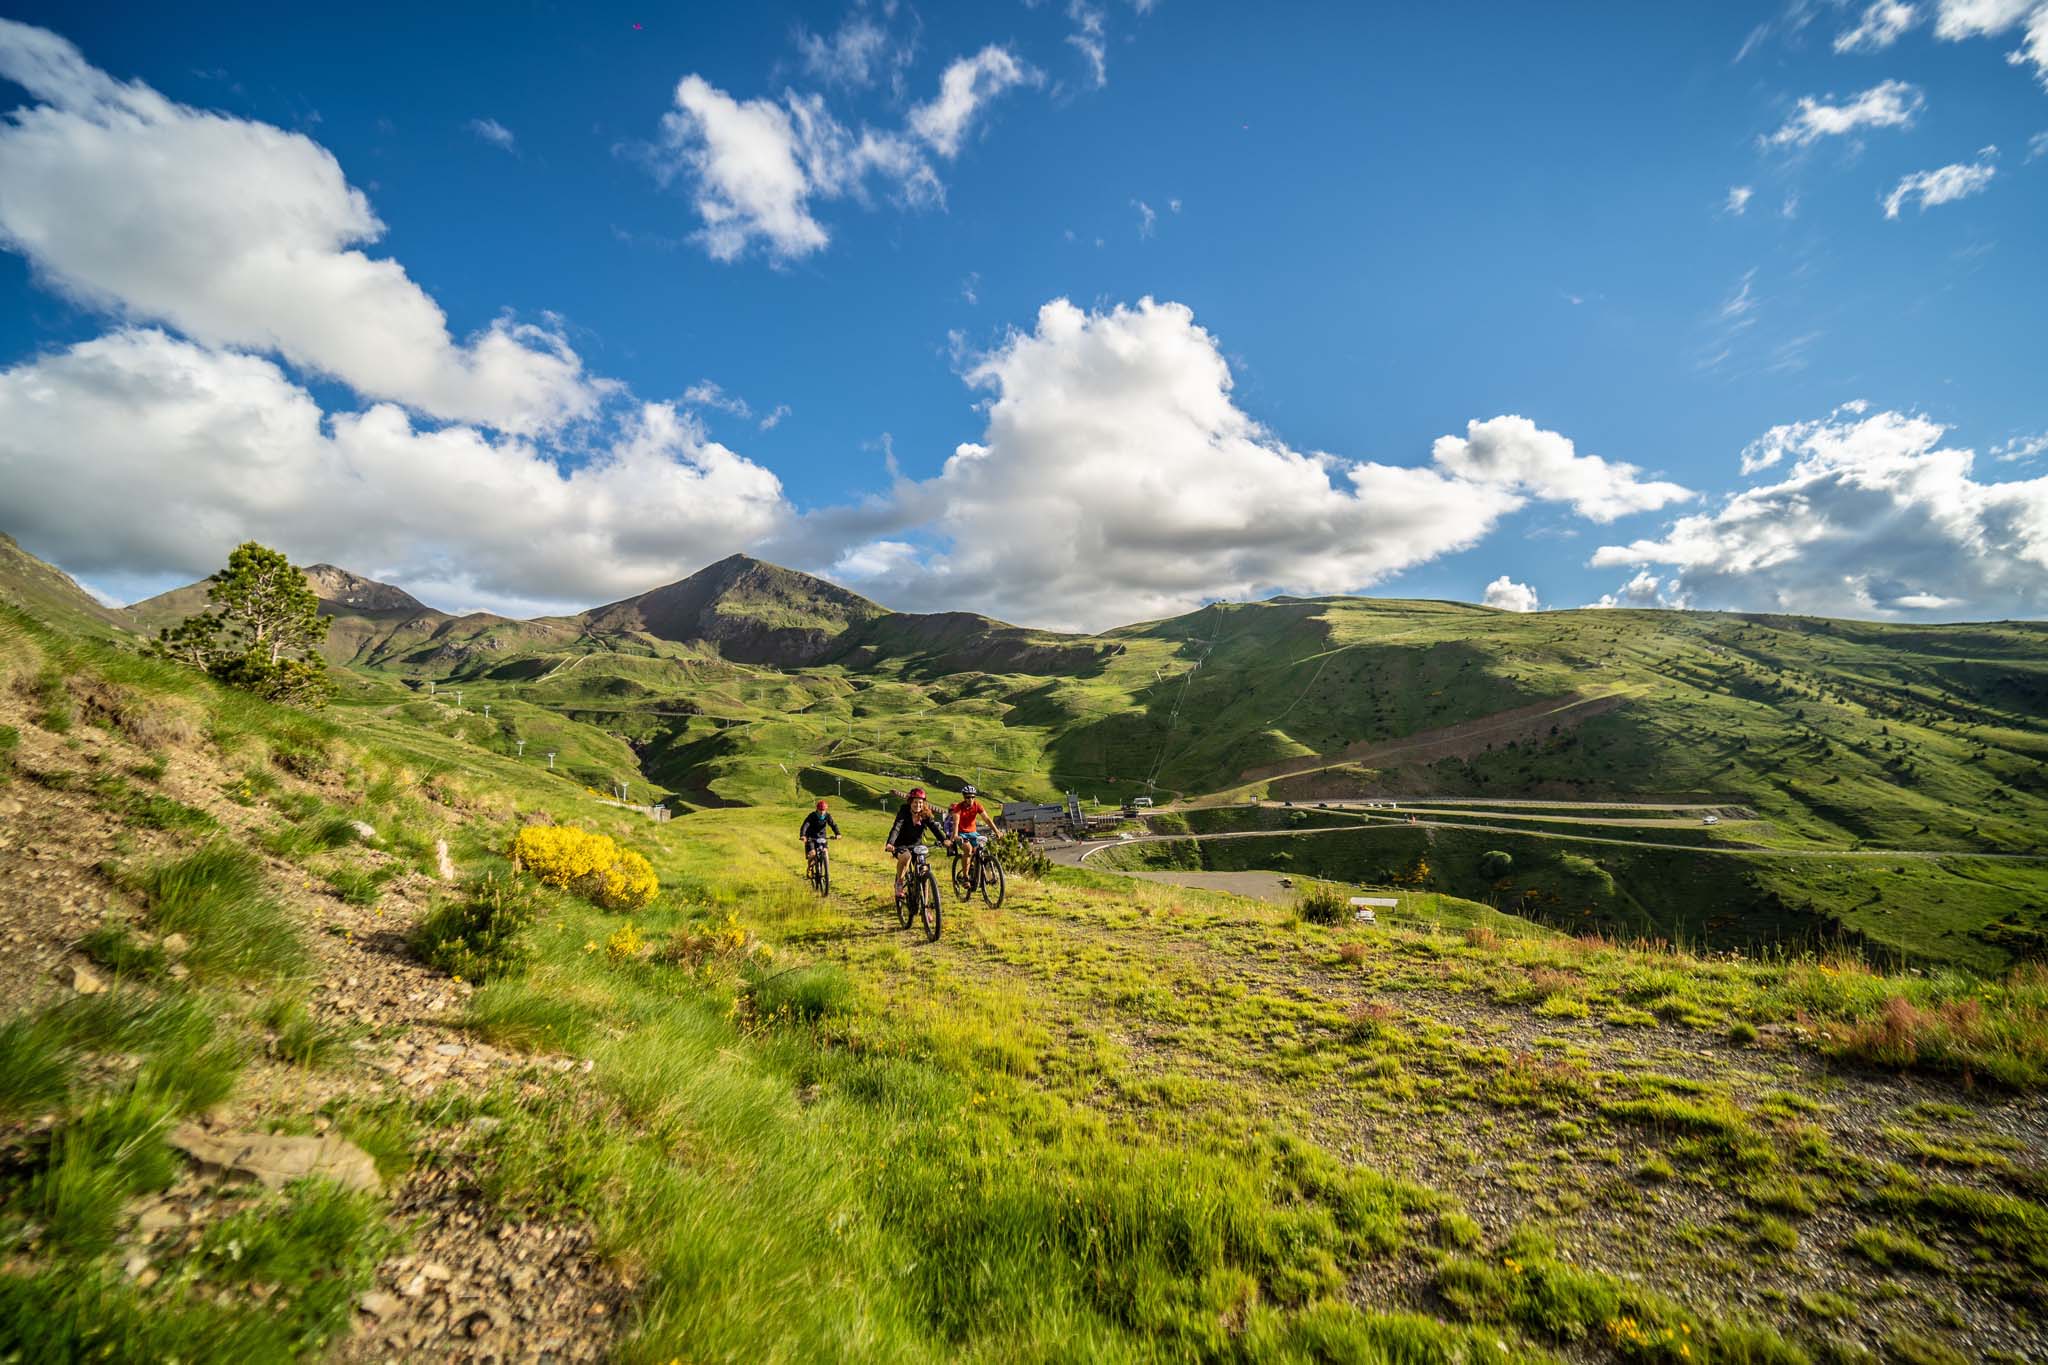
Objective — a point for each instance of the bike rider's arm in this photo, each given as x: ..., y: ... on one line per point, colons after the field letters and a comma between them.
x: 835, y: 825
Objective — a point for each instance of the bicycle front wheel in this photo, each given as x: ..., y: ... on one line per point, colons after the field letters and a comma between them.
x: 824, y: 877
x: 991, y: 880
x: 930, y: 907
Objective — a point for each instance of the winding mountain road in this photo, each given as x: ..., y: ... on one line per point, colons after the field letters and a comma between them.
x: 1076, y: 854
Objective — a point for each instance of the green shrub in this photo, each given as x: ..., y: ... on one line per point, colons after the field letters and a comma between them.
x: 1587, y: 870
x: 1322, y: 903
x: 1019, y: 856
x: 1496, y: 863
x: 483, y: 935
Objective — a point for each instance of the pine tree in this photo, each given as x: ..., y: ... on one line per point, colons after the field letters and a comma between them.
x: 262, y: 633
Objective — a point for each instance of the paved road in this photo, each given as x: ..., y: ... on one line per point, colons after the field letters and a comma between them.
x: 1485, y: 802
x: 1263, y: 886
x: 1073, y: 855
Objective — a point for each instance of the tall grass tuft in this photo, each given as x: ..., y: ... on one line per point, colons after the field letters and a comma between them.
x: 112, y: 946
x: 217, y: 898
x: 317, y: 1243
x: 36, y: 1065
x: 801, y: 994
x: 96, y: 1163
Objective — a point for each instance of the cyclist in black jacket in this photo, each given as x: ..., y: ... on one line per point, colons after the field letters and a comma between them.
x: 812, y: 832
x: 913, y: 822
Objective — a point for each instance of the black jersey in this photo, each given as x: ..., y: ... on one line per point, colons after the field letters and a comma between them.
x: 909, y: 830
x: 816, y: 823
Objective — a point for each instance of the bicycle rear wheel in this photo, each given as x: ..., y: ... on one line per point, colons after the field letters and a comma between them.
x: 960, y: 886
x: 991, y: 880
x: 930, y: 906
x: 905, y: 911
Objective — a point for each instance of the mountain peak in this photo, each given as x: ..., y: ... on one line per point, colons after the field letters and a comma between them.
x: 342, y: 588
x: 753, y: 611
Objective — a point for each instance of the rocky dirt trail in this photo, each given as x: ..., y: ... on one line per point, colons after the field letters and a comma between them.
x: 466, y: 1284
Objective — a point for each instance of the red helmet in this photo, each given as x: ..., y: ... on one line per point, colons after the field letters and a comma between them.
x: 916, y: 792
x: 821, y: 803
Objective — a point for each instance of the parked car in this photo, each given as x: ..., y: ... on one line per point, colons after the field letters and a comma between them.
x: 1322, y: 805
x: 1710, y: 820
x: 1141, y: 800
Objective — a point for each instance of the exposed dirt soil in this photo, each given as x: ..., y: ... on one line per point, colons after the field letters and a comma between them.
x: 467, y: 1285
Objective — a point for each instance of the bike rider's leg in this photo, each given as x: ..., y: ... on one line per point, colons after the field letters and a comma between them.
x: 902, y: 870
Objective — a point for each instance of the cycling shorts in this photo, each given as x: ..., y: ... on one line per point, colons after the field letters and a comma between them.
x: 975, y: 837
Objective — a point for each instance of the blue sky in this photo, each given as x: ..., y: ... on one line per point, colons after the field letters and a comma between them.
x: 1362, y: 231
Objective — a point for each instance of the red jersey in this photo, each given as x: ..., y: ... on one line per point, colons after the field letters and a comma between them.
x: 964, y: 814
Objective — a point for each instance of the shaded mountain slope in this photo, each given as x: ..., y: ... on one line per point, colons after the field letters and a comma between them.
x: 48, y: 592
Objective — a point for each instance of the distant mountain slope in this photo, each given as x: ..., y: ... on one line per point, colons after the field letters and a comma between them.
x: 45, y: 591
x: 340, y: 592
x: 749, y: 611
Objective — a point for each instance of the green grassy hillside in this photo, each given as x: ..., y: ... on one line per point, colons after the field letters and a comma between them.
x: 50, y: 594
x: 1109, y: 1120
x: 751, y: 684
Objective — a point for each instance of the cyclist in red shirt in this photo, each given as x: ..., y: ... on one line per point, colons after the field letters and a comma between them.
x: 966, y: 816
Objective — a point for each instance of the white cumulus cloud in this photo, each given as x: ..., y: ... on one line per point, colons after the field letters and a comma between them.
x: 1644, y: 590
x: 241, y: 234
x: 1874, y: 517
x: 964, y: 90
x: 191, y: 450
x: 1504, y: 594
x: 1117, y: 479
x: 758, y: 165
x: 1944, y: 185
x: 1513, y: 452
x: 1956, y: 20
x: 1889, y: 104
x: 1883, y: 24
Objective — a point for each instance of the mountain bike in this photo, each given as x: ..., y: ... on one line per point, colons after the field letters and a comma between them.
x: 820, y: 870
x: 979, y: 871
x: 921, y: 895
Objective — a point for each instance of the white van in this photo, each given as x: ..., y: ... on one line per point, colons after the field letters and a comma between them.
x: 1141, y: 800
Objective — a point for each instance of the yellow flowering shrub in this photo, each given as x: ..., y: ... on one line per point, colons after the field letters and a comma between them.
x: 591, y: 865
x: 625, y: 944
